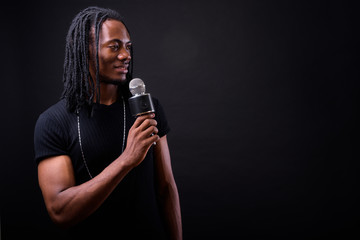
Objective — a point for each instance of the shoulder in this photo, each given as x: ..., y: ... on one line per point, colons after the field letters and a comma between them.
x: 52, y: 129
x: 156, y: 102
x: 158, y: 106
x: 161, y: 118
x: 58, y: 108
x: 55, y: 115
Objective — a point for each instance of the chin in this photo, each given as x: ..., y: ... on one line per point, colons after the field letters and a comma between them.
x: 114, y: 81
x: 122, y: 81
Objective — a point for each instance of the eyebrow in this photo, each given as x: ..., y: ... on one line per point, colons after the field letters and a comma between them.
x: 117, y: 40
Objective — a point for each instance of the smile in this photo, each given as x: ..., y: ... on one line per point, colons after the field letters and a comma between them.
x: 121, y: 69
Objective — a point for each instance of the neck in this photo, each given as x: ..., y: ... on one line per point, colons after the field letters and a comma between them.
x: 108, y: 93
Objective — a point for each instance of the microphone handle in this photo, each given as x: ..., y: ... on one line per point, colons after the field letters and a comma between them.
x: 141, y: 104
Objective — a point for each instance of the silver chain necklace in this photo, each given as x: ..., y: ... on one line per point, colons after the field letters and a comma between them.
x: 80, y: 142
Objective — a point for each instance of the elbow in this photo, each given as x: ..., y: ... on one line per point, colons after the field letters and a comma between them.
x: 167, y: 188
x: 60, y: 218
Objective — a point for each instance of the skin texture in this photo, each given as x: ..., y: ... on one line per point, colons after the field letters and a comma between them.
x: 69, y: 204
x: 114, y: 58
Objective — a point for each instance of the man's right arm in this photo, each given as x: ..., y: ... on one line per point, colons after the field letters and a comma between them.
x: 67, y: 203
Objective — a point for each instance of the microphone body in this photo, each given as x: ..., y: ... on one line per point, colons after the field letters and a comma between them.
x: 140, y: 103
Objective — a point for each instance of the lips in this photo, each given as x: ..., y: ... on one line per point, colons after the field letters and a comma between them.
x: 122, y: 68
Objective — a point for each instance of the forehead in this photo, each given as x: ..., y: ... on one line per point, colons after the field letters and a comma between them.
x: 113, y: 29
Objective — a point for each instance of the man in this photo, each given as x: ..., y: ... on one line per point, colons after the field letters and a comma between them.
x: 100, y: 173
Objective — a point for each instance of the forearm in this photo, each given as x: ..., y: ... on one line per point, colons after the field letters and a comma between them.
x: 74, y: 204
x: 170, y: 208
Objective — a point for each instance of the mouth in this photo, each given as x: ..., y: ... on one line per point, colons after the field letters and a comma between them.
x: 122, y: 68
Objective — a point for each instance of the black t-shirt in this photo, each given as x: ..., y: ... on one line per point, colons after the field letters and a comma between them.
x: 131, y: 210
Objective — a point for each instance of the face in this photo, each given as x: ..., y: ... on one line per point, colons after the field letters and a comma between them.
x: 114, y: 53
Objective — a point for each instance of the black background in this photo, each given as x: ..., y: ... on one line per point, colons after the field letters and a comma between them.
x: 261, y: 97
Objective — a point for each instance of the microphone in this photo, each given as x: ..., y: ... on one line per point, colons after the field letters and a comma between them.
x: 140, y: 103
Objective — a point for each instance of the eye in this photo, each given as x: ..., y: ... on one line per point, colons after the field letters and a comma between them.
x: 128, y: 47
x: 114, y: 47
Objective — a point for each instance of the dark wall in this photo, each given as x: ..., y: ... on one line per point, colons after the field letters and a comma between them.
x: 261, y: 97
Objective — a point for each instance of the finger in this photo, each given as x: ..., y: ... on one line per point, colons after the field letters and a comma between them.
x: 139, y: 120
x: 152, y: 139
x: 149, y: 131
x: 147, y: 123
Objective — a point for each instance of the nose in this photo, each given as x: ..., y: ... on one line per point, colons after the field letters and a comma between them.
x: 124, y: 54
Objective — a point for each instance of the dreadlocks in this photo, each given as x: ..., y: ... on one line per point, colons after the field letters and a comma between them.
x: 79, y: 87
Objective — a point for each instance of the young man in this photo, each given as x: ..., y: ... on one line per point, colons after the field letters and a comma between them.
x: 100, y: 173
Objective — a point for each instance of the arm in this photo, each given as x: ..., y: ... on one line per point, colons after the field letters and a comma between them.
x: 167, y: 191
x: 67, y: 203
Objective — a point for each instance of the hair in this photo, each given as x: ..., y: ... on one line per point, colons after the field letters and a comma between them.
x: 79, y: 87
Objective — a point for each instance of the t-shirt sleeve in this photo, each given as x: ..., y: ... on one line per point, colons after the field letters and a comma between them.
x: 49, y: 139
x: 162, y: 123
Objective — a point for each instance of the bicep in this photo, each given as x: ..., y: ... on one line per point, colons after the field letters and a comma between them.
x: 55, y: 174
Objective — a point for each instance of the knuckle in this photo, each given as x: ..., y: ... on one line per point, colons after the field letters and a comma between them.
x: 139, y: 119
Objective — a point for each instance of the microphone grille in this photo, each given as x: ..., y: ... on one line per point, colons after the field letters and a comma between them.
x: 137, y: 86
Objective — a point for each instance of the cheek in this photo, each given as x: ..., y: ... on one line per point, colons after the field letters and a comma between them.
x: 106, y: 58
x: 106, y: 62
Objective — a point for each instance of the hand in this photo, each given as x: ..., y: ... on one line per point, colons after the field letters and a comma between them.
x: 141, y: 136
